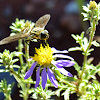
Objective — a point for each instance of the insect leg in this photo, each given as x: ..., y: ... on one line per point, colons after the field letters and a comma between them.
x: 27, y: 41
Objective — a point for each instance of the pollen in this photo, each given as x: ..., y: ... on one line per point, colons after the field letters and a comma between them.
x: 43, y: 55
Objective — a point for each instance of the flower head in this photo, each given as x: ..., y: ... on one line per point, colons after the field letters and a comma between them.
x: 43, y: 55
x: 45, y: 59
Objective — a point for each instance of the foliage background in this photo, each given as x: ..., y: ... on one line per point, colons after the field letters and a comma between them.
x: 65, y: 20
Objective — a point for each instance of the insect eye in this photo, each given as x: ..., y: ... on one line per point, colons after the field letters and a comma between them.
x: 35, y: 31
x: 44, y: 35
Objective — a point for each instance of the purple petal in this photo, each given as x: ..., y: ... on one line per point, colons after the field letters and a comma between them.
x: 44, y: 78
x: 37, y: 77
x: 70, y: 75
x: 30, y: 71
x: 52, y: 77
x: 62, y: 56
x: 63, y: 71
x: 65, y: 63
x: 30, y: 59
x: 58, y: 51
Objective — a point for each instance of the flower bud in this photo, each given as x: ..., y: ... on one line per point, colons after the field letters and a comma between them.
x: 92, y: 5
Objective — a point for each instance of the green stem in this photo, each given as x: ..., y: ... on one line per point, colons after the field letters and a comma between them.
x: 7, y: 95
x: 93, y: 28
x: 11, y: 70
x: 20, y: 48
x: 25, y: 86
x: 9, y: 98
x: 27, y: 53
x: 26, y: 93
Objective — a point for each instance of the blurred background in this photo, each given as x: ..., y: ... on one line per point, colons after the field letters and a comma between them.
x: 65, y: 20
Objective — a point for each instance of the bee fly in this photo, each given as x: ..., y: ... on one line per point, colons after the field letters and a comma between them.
x: 37, y: 32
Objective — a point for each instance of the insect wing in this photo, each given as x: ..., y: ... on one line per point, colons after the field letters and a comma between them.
x: 13, y: 38
x: 42, y: 21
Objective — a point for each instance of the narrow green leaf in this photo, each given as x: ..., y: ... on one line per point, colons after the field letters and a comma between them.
x: 15, y: 29
x: 77, y: 67
x: 16, y: 53
x: 58, y: 92
x: 96, y: 44
x: 15, y: 60
x: 89, y: 61
x: 82, y: 35
x: 84, y: 14
x: 88, y: 30
x: 58, y: 73
x: 66, y: 94
x: 1, y: 61
x: 16, y: 66
x: 85, y: 43
x: 74, y: 36
x: 90, y: 50
x: 85, y: 19
x: 98, y: 67
x: 2, y: 70
x: 85, y: 8
x: 75, y: 49
x: 1, y: 55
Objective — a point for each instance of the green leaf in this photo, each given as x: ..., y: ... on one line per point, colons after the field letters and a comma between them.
x: 16, y: 53
x: 15, y: 29
x: 82, y: 35
x: 98, y: 98
x: 90, y: 67
x: 85, y: 19
x: 86, y: 9
x: 66, y: 94
x: 14, y: 60
x: 58, y: 73
x: 90, y: 50
x: 16, y: 66
x: 92, y: 76
x: 11, y: 85
x: 69, y: 79
x: 90, y: 60
x: 84, y: 14
x: 88, y: 30
x: 77, y: 67
x: 2, y: 70
x: 74, y: 36
x: 98, y: 67
x: 34, y: 96
x: 96, y: 44
x: 6, y: 89
x: 93, y: 72
x: 85, y: 43
x: 1, y: 61
x: 57, y: 92
x: 1, y: 55
x: 75, y: 49
x: 12, y: 34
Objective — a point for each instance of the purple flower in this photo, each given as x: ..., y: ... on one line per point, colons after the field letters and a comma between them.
x: 44, y: 57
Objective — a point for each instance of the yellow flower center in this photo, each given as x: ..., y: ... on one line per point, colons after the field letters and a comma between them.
x: 43, y: 55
